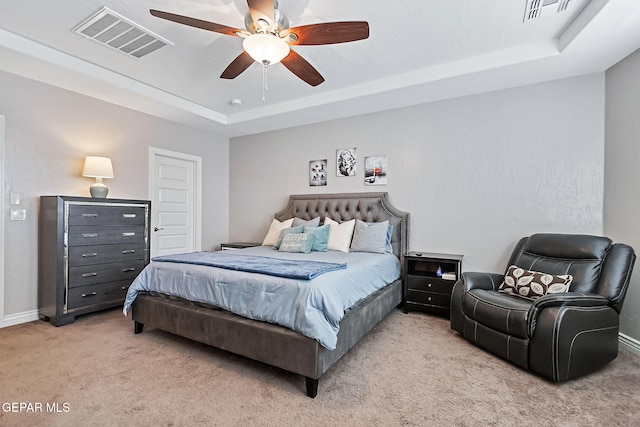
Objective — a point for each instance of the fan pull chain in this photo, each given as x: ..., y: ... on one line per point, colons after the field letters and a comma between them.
x: 264, y: 81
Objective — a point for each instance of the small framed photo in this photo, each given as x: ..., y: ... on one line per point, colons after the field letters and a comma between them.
x: 375, y: 170
x: 318, y: 172
x: 346, y: 161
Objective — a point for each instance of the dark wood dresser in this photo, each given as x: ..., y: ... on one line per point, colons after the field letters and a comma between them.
x: 89, y: 252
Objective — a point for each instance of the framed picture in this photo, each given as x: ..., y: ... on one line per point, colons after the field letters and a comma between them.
x: 375, y: 170
x: 346, y: 161
x: 318, y: 172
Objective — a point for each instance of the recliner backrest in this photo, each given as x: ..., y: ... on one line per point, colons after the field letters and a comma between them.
x: 596, y: 263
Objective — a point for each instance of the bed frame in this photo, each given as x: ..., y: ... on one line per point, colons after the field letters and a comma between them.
x: 273, y: 344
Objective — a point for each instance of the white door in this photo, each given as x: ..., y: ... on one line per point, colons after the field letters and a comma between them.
x: 175, y: 184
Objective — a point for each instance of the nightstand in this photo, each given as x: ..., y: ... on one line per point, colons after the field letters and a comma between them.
x: 428, y: 281
x: 237, y: 245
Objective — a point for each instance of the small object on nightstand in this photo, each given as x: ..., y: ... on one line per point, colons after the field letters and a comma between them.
x: 449, y: 276
x: 428, y: 280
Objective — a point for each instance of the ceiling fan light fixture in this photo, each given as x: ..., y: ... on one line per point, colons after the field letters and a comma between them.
x: 266, y: 49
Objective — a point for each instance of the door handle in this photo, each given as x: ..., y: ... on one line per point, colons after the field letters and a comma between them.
x: 157, y: 229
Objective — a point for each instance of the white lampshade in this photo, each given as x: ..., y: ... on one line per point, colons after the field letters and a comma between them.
x: 97, y: 167
x: 266, y: 48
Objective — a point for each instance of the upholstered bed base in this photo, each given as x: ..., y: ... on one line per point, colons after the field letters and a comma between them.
x: 265, y: 342
x: 273, y: 344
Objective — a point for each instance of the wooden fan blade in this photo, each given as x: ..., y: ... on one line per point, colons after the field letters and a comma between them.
x: 237, y: 66
x: 327, y: 33
x: 301, y: 68
x: 261, y: 9
x: 198, y: 23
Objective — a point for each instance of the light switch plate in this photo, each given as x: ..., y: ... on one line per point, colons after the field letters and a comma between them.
x: 16, y: 198
x: 18, y: 214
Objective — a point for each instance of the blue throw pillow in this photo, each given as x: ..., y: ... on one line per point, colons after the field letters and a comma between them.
x: 370, y: 237
x: 310, y: 223
x: 321, y: 242
x: 301, y: 243
x: 290, y: 230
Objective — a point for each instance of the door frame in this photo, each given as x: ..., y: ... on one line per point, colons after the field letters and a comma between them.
x: 197, y: 190
x: 2, y: 204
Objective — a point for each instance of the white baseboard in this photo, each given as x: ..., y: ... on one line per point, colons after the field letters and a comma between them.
x: 631, y: 344
x: 24, y: 317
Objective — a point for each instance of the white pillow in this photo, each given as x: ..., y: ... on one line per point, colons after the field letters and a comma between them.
x: 274, y: 231
x: 340, y: 235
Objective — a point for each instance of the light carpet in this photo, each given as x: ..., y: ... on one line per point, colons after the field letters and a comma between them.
x: 412, y: 370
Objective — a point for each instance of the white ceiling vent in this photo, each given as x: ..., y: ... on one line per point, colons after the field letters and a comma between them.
x: 117, y: 32
x: 538, y: 8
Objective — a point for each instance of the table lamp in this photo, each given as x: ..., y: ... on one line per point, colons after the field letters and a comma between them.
x: 98, y: 168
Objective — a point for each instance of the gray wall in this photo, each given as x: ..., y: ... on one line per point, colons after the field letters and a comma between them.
x: 476, y: 173
x: 622, y: 173
x: 49, y: 131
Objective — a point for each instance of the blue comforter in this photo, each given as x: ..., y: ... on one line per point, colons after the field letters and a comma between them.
x: 313, y: 308
x: 293, y: 269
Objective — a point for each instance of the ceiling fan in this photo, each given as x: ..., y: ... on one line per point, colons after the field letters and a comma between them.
x: 268, y: 38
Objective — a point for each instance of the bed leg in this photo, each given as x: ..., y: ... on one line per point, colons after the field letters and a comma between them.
x: 312, y: 387
x: 137, y: 327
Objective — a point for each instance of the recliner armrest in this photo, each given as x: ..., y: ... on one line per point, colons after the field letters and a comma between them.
x: 569, y: 299
x: 468, y: 281
x: 577, y: 299
x: 476, y: 280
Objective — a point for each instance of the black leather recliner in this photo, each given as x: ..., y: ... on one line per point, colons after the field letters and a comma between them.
x: 560, y: 335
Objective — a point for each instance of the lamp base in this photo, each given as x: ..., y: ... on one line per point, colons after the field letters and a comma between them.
x: 99, y: 190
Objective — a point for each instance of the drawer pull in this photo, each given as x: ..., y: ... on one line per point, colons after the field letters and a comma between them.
x: 428, y: 298
x: 129, y: 251
x: 89, y: 295
x: 128, y: 215
x: 89, y: 215
x: 129, y: 234
x: 89, y: 274
x: 124, y: 288
x: 89, y: 235
x: 124, y: 270
x: 89, y: 255
x: 429, y: 285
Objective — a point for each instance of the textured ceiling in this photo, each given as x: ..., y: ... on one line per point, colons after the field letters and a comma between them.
x: 419, y: 51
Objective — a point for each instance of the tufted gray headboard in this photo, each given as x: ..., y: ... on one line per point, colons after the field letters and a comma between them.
x: 368, y: 207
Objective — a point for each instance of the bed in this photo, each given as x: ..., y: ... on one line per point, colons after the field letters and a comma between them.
x: 274, y: 344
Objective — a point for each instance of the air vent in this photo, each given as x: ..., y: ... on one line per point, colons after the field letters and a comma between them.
x: 538, y: 8
x: 117, y: 32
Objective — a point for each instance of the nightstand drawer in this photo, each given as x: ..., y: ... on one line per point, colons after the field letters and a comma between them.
x: 429, y: 298
x: 430, y: 284
x: 102, y: 254
x: 97, y: 294
x: 88, y: 235
x: 100, y: 273
x: 106, y: 215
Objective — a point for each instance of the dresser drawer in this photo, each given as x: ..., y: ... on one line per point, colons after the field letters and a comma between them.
x: 430, y: 284
x: 106, y: 215
x: 102, y: 254
x: 83, y: 296
x: 100, y: 273
x: 99, y: 235
x: 429, y: 298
